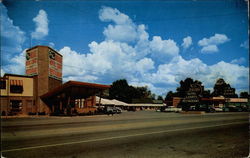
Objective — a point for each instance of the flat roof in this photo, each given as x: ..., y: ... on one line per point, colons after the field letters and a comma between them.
x: 44, y: 47
x: 16, y: 75
x: 78, y: 92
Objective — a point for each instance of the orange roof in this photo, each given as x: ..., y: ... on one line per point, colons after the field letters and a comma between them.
x: 69, y: 84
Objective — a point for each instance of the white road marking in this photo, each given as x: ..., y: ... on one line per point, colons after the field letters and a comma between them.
x: 118, y: 137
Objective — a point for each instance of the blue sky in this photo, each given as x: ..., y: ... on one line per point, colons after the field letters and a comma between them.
x: 150, y: 43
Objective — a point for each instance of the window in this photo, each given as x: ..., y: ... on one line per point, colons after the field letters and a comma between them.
x: 16, y: 105
x: 51, y: 54
x: 28, y: 56
x: 2, y: 84
x: 16, y: 86
x: 16, y: 89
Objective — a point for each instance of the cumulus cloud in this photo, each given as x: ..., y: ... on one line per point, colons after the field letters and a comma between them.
x: 12, y: 37
x: 16, y: 64
x: 42, y: 22
x: 167, y: 47
x: 241, y: 60
x: 214, y: 40
x: 228, y: 72
x: 144, y: 65
x: 51, y: 44
x: 210, y: 45
x: 179, y: 68
x: 136, y: 58
x: 245, y: 44
x: 124, y: 29
x: 107, y: 58
x: 209, y: 49
x: 108, y: 14
x: 187, y: 42
x: 163, y: 50
x: 69, y: 67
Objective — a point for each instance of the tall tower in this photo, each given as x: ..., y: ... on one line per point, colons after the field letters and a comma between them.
x: 45, y: 65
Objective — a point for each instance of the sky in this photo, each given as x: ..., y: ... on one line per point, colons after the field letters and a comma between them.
x: 153, y: 43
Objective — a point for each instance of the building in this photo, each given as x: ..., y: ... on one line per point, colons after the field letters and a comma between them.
x: 45, y: 66
x: 175, y: 102
x: 17, y: 94
x: 40, y: 90
x: 73, y: 97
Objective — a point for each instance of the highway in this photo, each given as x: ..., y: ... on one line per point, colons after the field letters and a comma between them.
x: 128, y: 135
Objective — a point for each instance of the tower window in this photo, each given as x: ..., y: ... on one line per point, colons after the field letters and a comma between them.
x: 27, y: 56
x: 51, y: 54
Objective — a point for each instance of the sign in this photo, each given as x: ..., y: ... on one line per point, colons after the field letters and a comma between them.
x: 192, y: 95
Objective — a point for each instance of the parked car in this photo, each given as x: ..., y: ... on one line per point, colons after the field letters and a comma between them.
x: 172, y: 109
x: 234, y: 108
x: 112, y: 110
x: 118, y: 110
x: 218, y: 109
x: 206, y: 108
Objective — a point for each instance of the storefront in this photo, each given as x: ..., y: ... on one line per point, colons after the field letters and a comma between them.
x: 73, y: 97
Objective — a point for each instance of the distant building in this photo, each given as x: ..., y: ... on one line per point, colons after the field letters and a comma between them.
x: 176, y: 102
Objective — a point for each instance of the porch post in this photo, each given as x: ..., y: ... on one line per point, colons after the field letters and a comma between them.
x: 68, y: 105
x: 99, y: 99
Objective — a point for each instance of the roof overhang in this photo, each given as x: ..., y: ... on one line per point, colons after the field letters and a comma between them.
x: 75, y: 89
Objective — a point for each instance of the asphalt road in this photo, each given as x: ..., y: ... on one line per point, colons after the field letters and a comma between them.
x: 142, y: 134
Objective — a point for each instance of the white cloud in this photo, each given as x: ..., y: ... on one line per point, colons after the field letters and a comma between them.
x: 124, y: 29
x: 2, y: 72
x: 209, y: 49
x: 17, y: 64
x: 245, y: 44
x: 42, y: 28
x: 214, y: 40
x: 51, y: 44
x: 145, y: 65
x: 234, y: 74
x: 86, y: 78
x: 187, y: 42
x: 163, y: 48
x: 210, y: 45
x: 169, y: 75
x: 12, y: 37
x: 69, y: 67
x: 241, y: 60
x: 178, y: 69
x: 116, y: 58
x: 108, y: 14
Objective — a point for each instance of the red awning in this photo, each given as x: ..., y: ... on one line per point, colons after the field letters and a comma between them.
x: 16, y: 82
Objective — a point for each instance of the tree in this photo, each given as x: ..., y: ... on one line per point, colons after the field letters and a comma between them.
x: 159, y: 98
x: 152, y: 96
x: 169, y: 95
x: 119, y: 90
x: 244, y: 95
x: 184, y: 87
x: 206, y: 94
